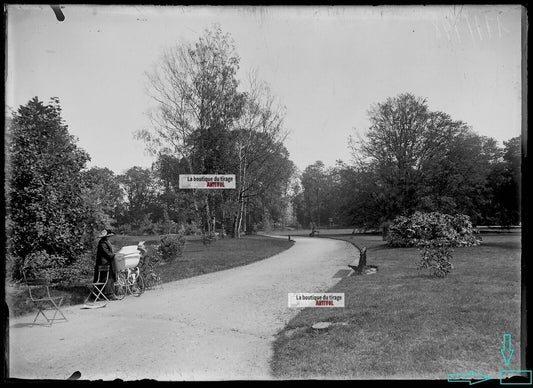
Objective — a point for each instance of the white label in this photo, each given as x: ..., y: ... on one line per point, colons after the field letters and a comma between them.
x: 207, y: 181
x: 309, y: 299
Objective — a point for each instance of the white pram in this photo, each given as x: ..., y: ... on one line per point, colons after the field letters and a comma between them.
x: 127, y: 257
x: 127, y: 266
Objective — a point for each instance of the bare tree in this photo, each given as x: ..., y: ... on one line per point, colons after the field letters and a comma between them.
x: 259, y: 137
x: 203, y: 118
x: 195, y: 89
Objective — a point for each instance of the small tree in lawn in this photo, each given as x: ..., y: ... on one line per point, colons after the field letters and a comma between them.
x: 434, y: 234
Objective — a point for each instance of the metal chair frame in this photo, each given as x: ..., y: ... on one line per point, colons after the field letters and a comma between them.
x: 97, y: 288
x: 46, y: 302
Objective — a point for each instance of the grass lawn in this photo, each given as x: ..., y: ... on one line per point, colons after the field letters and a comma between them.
x: 223, y: 254
x: 403, y: 324
x: 197, y: 259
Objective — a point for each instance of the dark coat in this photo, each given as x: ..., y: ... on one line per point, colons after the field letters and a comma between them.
x: 105, y: 256
x: 104, y: 252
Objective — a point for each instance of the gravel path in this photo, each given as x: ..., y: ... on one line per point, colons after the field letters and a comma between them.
x: 218, y: 326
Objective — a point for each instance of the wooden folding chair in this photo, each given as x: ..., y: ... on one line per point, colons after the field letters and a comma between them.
x: 97, y: 287
x: 39, y: 291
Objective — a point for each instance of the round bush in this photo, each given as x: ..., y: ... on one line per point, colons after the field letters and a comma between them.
x: 44, y: 266
x: 171, y: 246
x: 434, y: 234
x: 55, y: 268
x: 454, y: 231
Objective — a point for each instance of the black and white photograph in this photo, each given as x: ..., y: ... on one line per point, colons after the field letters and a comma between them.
x: 265, y: 193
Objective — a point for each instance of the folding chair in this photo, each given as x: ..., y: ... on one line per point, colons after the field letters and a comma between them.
x: 39, y: 290
x: 97, y: 287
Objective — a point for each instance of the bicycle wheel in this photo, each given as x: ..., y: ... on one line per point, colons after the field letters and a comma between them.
x: 140, y: 283
x: 120, y: 287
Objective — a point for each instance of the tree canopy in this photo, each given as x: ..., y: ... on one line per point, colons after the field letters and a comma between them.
x: 205, y: 120
x: 414, y: 159
x: 45, y: 205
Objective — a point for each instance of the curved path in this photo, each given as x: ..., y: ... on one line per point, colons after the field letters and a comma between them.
x: 218, y: 326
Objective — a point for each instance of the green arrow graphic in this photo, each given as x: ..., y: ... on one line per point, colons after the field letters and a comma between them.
x: 505, y: 350
x: 467, y: 377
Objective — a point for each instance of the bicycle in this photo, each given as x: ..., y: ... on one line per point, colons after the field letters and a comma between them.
x: 149, y: 272
x: 129, y: 281
x: 153, y: 278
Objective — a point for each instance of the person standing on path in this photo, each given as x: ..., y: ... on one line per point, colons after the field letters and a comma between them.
x: 104, y: 256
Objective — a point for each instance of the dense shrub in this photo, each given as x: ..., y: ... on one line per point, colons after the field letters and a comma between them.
x: 190, y: 229
x: 45, y: 204
x: 456, y: 230
x: 171, y: 246
x: 80, y: 270
x: 44, y: 266
x: 436, y: 256
x: 166, y: 226
x: 434, y: 234
x: 54, y: 268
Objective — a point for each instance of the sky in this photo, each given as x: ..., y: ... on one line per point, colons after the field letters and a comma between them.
x: 325, y: 65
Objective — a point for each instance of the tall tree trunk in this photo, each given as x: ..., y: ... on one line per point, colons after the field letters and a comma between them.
x: 208, y: 214
x: 223, y: 222
x: 239, y: 218
x: 248, y: 225
x: 245, y: 217
x: 195, y: 203
x: 240, y: 199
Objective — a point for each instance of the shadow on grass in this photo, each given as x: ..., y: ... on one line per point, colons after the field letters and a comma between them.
x: 21, y: 325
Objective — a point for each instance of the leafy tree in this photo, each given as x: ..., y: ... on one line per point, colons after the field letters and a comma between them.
x: 178, y: 205
x: 103, y: 196
x: 356, y: 196
x: 45, y: 206
x: 314, y: 182
x: 511, y: 197
x: 204, y: 120
x: 502, y: 206
x: 434, y: 234
x: 457, y: 182
x: 141, y: 196
x: 403, y: 138
x: 262, y: 161
x: 267, y: 204
x: 195, y: 87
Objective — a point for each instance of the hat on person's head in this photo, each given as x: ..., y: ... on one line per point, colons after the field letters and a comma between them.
x: 106, y: 233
